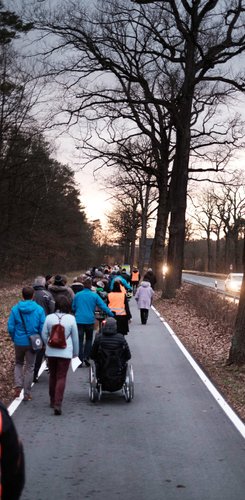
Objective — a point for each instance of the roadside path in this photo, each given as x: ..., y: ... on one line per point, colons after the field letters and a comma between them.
x: 173, y: 441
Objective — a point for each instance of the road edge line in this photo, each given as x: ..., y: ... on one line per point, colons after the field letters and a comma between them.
x: 16, y: 402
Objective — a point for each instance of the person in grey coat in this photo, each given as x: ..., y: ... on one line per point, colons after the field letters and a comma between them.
x: 143, y: 297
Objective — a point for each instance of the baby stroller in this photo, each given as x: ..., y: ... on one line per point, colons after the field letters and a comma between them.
x: 110, y: 374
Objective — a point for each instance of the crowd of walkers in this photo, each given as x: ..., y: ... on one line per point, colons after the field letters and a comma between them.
x: 51, y: 302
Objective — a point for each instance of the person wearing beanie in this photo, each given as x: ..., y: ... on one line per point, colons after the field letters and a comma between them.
x: 60, y: 287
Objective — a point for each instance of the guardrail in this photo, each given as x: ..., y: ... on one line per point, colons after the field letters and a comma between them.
x: 226, y: 295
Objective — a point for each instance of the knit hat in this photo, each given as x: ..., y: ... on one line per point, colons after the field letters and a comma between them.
x: 58, y: 280
x: 110, y: 326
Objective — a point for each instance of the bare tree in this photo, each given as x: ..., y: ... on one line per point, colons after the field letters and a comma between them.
x: 124, y: 221
x: 167, y: 64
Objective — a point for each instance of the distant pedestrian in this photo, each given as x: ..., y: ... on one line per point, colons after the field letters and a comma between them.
x: 45, y: 299
x: 118, y: 303
x: 84, y: 305
x: 77, y: 285
x: 143, y: 298
x: 59, y: 359
x: 12, y: 466
x: 26, y: 318
x: 48, y: 280
x: 117, y: 277
x: 150, y: 276
x: 135, y: 279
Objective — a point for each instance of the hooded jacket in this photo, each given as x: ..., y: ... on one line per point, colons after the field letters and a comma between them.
x: 34, y: 318
x: 144, y: 295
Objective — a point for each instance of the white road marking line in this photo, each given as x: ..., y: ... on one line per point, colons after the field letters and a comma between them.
x: 237, y: 422
x: 14, y: 405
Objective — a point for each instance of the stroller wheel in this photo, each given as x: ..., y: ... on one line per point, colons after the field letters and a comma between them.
x: 129, y: 384
x: 93, y: 391
x: 93, y: 394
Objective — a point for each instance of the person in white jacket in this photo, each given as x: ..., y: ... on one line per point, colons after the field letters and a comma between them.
x: 59, y: 359
x: 144, y: 297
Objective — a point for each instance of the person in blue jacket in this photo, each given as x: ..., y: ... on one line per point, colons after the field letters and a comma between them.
x: 26, y: 318
x: 118, y: 277
x: 84, y: 305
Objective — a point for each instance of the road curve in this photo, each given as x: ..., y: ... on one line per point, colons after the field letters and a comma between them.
x: 172, y: 442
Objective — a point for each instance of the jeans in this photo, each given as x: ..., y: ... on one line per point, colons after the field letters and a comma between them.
x: 85, y: 348
x: 58, y: 368
x: 24, y: 367
x: 39, y: 358
x: 144, y: 315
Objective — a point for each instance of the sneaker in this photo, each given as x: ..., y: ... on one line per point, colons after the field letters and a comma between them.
x: 17, y: 392
x: 27, y: 397
x: 57, y: 411
x: 86, y: 362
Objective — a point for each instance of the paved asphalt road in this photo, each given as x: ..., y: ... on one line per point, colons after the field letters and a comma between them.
x: 207, y: 281
x: 173, y: 442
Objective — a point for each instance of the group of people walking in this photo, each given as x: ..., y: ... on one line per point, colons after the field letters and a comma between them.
x: 51, y: 301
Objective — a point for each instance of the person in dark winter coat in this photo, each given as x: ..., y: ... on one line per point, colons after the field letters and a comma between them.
x: 84, y: 306
x: 12, y: 465
x: 60, y: 288
x: 111, y: 341
x: 45, y: 299
x: 150, y: 276
x: 42, y: 296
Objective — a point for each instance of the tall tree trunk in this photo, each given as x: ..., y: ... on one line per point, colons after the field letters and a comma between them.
x: 160, y: 233
x: 209, y: 252
x: 178, y: 196
x: 142, y: 245
x: 237, y: 349
x: 217, y: 257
